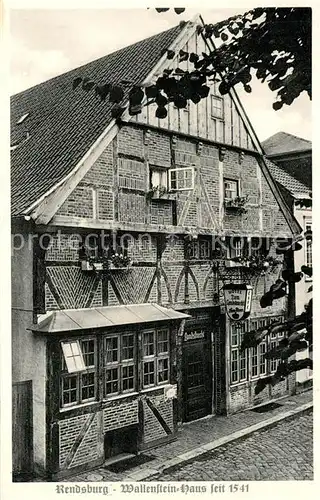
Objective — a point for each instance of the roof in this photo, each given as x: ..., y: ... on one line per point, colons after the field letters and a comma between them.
x: 107, y: 316
x: 282, y: 142
x: 63, y: 124
x: 286, y: 180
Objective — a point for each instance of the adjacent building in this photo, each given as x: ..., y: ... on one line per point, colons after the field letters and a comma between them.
x: 291, y: 165
x: 125, y: 232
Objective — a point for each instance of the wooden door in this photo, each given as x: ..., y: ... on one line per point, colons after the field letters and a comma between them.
x: 197, y: 380
x: 22, y: 428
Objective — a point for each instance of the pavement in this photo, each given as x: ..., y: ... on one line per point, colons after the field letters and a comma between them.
x: 199, y: 438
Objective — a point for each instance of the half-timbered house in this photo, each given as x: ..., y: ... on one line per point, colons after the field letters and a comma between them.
x: 124, y: 232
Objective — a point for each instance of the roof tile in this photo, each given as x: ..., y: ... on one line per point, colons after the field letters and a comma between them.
x: 63, y: 124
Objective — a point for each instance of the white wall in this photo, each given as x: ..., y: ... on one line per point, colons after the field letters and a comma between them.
x: 28, y: 351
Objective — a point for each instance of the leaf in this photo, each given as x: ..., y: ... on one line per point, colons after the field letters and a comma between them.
x: 179, y: 10
x: 102, y: 91
x: 159, y: 9
x: 224, y: 37
x: 277, y: 105
x: 87, y: 84
x: 117, y: 111
x: 76, y: 82
x: 116, y: 94
x: 193, y: 58
x: 183, y: 56
x: 247, y: 88
x: 179, y: 71
x: 223, y: 88
x: 170, y: 54
x: 161, y: 112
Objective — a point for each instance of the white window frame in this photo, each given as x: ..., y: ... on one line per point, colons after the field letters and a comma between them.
x: 182, y: 169
x: 214, y: 114
x: 76, y: 356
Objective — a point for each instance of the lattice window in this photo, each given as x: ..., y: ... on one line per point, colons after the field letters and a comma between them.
x: 181, y: 179
x: 78, y: 372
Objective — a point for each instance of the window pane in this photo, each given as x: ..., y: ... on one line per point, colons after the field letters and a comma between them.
x: 243, y: 365
x: 148, y: 344
x: 234, y: 366
x: 127, y: 346
x: 87, y: 386
x: 234, y: 336
x: 88, y: 351
x: 254, y: 361
x: 72, y: 356
x: 263, y: 361
x: 112, y: 381
x: 128, y: 377
x: 111, y: 350
x: 273, y: 362
x: 163, y: 341
x: 163, y: 370
x: 148, y: 373
x: 69, y: 390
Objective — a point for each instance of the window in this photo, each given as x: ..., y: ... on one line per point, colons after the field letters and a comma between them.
x: 78, y: 373
x: 73, y: 356
x: 158, y: 177
x: 181, y: 179
x: 308, y: 244
x: 119, y: 364
x: 155, y: 357
x: 199, y: 249
x: 251, y: 364
x: 238, y: 359
x: 216, y: 107
x: 236, y: 247
x: 231, y: 189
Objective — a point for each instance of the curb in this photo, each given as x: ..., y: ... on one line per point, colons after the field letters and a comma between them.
x: 201, y: 450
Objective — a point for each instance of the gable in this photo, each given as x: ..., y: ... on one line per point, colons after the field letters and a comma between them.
x: 204, y: 119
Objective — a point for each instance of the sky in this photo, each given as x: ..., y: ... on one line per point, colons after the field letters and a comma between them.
x: 47, y: 42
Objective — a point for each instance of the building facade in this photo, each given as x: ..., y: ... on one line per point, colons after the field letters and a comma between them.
x: 133, y: 227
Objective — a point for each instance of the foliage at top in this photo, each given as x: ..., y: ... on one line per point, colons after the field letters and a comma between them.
x: 274, y: 44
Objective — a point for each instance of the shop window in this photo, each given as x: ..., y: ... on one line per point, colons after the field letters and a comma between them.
x: 251, y: 363
x: 181, y: 179
x: 78, y: 374
x: 216, y: 107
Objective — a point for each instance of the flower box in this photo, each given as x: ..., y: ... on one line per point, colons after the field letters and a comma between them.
x: 236, y: 204
x: 114, y: 267
x: 91, y: 266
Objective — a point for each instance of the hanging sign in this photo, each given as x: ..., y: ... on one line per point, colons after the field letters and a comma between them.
x: 238, y: 299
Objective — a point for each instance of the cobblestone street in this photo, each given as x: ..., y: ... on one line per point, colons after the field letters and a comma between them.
x: 283, y: 452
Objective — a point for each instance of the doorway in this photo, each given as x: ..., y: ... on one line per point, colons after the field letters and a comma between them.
x: 197, y: 377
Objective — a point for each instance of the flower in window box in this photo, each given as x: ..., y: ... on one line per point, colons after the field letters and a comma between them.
x: 236, y: 204
x: 119, y: 261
